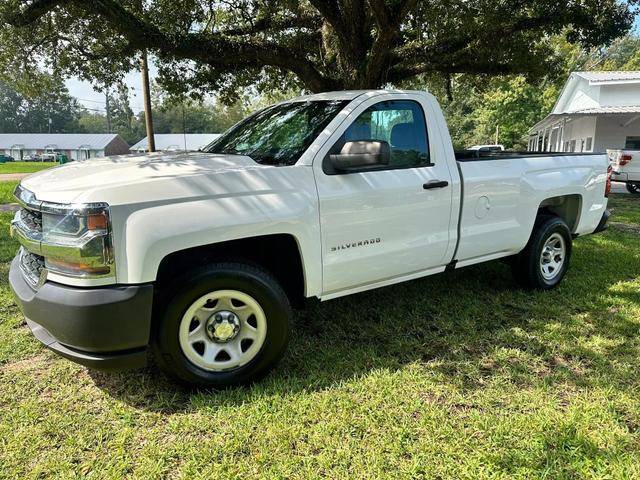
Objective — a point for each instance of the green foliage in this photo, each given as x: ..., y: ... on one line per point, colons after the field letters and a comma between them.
x: 172, y: 115
x: 474, y: 106
x: 20, y: 113
x: 624, y: 54
x: 513, y: 106
x: 211, y: 46
x: 92, y: 122
x: 123, y: 120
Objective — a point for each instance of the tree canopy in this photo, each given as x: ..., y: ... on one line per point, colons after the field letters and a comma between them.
x: 206, y: 45
x: 55, y: 111
x: 474, y: 106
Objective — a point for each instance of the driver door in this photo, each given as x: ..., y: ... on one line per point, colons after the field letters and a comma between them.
x: 386, y: 223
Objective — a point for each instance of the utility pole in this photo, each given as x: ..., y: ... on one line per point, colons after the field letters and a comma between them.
x: 108, y: 110
x: 497, y: 135
x: 144, y: 70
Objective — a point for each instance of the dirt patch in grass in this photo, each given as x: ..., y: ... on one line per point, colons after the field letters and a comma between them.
x: 633, y: 228
x: 34, y: 365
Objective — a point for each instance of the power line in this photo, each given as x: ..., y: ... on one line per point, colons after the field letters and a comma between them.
x: 92, y: 101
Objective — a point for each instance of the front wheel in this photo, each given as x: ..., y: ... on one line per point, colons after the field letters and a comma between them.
x: 545, y: 260
x: 226, y: 324
x: 633, y: 188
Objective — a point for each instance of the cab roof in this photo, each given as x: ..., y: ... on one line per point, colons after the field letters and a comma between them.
x: 347, y: 95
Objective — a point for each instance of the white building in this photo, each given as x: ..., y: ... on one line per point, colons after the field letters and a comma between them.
x: 76, y: 146
x: 596, y: 111
x: 176, y: 142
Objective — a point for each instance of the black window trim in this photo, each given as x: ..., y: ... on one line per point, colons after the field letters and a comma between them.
x: 327, y: 170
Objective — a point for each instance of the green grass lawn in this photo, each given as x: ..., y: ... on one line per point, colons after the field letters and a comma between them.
x: 6, y: 191
x: 626, y: 209
x: 25, y: 167
x: 460, y: 375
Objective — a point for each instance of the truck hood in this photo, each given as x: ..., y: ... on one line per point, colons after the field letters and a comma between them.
x: 115, y: 179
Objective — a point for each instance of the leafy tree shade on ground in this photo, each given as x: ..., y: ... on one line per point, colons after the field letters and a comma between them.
x: 322, y: 44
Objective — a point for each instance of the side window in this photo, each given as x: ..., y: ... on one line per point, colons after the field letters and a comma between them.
x: 632, y: 143
x: 589, y: 146
x: 399, y: 123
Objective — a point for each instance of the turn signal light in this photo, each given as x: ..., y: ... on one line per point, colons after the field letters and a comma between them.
x: 624, y: 159
x: 97, y: 222
x: 76, y: 268
x: 607, y: 189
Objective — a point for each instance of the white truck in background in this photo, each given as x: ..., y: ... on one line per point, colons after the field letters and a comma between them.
x: 198, y: 256
x: 626, y: 168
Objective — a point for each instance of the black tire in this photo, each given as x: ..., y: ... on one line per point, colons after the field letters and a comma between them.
x: 249, y: 279
x: 633, y: 188
x: 526, y: 266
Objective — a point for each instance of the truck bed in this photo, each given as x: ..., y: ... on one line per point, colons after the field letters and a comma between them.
x: 502, y: 192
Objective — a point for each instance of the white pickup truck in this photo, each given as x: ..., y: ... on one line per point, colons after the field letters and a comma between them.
x: 197, y: 257
x: 626, y: 168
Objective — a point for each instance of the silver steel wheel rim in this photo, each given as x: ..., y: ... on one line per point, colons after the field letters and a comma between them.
x: 553, y: 256
x: 208, y: 336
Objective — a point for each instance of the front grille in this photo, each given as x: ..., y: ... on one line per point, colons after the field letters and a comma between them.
x: 32, y: 267
x: 31, y: 219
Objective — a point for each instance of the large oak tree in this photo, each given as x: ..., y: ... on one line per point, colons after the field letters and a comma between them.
x: 204, y: 45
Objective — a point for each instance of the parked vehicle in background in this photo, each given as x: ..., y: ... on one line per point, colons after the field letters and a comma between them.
x: 5, y: 158
x: 32, y: 158
x: 488, y: 148
x: 626, y: 168
x: 61, y: 158
x: 199, y: 257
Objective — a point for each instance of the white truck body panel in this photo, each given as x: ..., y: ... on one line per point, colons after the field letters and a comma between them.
x: 164, y: 203
x: 501, y: 198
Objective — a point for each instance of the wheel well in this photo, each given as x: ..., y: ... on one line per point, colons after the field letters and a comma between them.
x: 279, y: 254
x: 567, y: 207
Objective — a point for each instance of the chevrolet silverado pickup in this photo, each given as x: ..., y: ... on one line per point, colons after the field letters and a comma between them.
x: 198, y: 257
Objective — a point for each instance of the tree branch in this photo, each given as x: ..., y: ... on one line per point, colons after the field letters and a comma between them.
x: 213, y: 49
x: 33, y: 12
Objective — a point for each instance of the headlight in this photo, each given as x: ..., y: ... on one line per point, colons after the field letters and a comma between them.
x: 74, y: 240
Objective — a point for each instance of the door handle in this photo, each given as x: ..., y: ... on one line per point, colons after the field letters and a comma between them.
x: 435, y: 184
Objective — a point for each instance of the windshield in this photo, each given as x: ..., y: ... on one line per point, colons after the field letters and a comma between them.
x: 278, y: 135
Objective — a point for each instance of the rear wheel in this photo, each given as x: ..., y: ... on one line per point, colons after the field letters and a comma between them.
x: 226, y: 324
x: 633, y: 188
x: 545, y: 260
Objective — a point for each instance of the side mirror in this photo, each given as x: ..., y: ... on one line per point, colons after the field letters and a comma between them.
x: 361, y: 155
